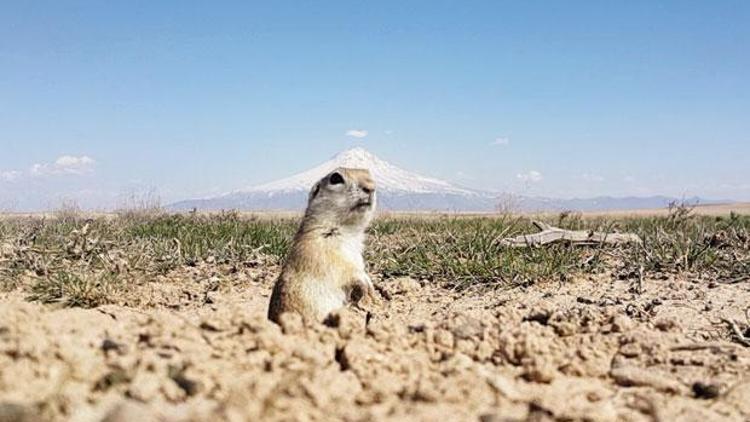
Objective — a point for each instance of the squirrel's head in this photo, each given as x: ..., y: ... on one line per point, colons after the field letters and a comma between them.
x: 345, y: 197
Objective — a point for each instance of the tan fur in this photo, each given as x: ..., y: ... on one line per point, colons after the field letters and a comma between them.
x: 324, y: 269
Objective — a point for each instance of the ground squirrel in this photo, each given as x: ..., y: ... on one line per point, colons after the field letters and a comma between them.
x: 324, y: 269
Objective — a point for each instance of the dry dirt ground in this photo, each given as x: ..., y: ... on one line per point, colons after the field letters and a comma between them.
x: 740, y: 208
x: 197, y: 346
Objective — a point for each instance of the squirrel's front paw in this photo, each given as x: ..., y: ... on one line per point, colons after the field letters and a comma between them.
x: 373, y: 298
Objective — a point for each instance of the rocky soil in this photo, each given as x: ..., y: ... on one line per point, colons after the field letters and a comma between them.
x: 197, y: 346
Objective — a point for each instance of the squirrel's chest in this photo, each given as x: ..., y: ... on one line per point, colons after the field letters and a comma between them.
x: 350, y: 251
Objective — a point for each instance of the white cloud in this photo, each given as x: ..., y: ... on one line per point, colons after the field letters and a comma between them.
x: 629, y: 179
x: 38, y: 169
x: 9, y: 175
x: 356, y: 133
x: 502, y: 141
x: 532, y: 176
x: 69, y: 161
x: 65, y: 164
x: 589, y: 177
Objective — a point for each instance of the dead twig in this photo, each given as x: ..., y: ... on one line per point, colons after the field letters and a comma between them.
x: 735, y: 280
x: 713, y: 346
x: 550, y: 234
x: 737, y: 333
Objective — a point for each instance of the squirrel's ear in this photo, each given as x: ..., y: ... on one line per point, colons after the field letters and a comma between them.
x: 314, y: 191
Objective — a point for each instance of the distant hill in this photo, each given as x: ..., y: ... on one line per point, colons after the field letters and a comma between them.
x: 608, y: 203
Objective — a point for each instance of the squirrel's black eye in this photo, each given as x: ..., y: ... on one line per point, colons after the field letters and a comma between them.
x: 335, y: 179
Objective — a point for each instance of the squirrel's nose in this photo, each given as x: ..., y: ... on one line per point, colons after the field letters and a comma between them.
x: 367, y: 190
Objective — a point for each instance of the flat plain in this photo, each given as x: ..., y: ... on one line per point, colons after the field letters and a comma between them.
x: 153, y: 316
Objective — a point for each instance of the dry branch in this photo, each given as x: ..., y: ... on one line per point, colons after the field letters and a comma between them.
x: 550, y: 234
x: 738, y: 336
x: 713, y: 346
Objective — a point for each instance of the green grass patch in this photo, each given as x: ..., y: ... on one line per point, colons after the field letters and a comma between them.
x: 80, y: 262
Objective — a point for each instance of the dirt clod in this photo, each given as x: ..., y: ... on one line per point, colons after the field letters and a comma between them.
x: 706, y: 391
x: 14, y: 412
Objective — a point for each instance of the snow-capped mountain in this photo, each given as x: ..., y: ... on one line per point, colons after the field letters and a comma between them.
x: 388, y: 177
x: 397, y: 189
x: 400, y: 189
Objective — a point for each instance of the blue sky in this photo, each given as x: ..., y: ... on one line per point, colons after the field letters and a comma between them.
x: 582, y: 98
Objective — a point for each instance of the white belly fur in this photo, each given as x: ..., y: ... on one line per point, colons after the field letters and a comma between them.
x: 351, y: 249
x: 330, y: 297
x: 327, y: 298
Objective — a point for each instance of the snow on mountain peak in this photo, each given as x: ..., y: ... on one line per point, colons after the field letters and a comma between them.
x: 354, y: 156
x: 388, y: 177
